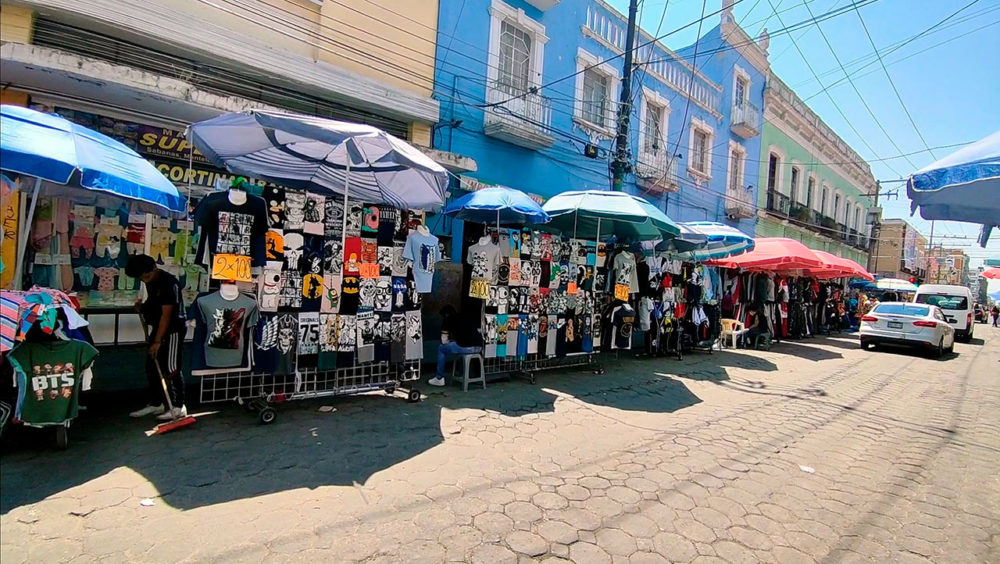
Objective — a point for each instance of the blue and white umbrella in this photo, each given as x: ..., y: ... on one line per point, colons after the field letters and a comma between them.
x: 499, y: 205
x: 71, y: 161
x: 722, y: 241
x: 79, y: 163
x: 964, y: 186
x: 324, y: 156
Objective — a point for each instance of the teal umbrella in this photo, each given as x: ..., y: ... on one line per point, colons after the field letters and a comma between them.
x: 593, y: 214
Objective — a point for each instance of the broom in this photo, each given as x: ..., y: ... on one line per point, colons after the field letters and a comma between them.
x: 177, y: 422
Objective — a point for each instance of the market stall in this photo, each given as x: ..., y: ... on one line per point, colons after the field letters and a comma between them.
x: 332, y: 261
x: 71, y: 170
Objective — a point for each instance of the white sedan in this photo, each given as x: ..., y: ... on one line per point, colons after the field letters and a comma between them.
x: 909, y: 325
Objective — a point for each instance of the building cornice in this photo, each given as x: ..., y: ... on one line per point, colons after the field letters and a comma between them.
x: 169, y: 26
x: 733, y: 34
x: 806, y: 128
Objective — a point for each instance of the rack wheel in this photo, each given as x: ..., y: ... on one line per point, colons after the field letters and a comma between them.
x: 531, y: 377
x: 267, y: 416
x: 389, y: 390
x: 62, y: 437
x: 413, y: 396
x: 599, y: 371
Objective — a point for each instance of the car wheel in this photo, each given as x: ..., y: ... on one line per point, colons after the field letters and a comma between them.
x: 939, y: 352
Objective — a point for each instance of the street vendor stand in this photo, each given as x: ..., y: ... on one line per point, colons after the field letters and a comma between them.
x: 367, y: 181
x: 43, y: 335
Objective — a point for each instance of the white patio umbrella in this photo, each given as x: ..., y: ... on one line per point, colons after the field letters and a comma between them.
x: 323, y: 156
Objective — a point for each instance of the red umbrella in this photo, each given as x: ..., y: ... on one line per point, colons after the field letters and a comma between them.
x: 992, y: 273
x: 836, y: 267
x: 774, y: 253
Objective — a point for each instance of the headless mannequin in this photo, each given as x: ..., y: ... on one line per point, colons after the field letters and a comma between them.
x: 229, y: 292
x: 486, y: 240
x: 422, y: 229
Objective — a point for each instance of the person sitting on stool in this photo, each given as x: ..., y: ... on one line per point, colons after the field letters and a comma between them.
x: 458, y: 336
x: 755, y: 326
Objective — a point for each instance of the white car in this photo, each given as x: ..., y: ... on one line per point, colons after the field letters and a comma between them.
x: 907, y: 324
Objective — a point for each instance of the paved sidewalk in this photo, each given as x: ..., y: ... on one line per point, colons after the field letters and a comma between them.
x: 814, y: 451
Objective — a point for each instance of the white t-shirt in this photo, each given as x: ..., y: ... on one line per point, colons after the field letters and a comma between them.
x: 625, y: 271
x: 484, y: 260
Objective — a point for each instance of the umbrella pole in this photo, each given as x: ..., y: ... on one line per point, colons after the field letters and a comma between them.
x: 343, y: 228
x: 22, y: 244
x: 597, y: 241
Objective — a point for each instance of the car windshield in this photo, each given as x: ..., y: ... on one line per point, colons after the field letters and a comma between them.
x: 902, y: 309
x: 944, y: 301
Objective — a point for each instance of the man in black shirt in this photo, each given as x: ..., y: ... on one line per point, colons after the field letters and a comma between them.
x: 163, y: 312
x: 459, y: 335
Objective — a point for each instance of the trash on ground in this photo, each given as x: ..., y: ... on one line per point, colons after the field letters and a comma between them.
x: 807, y: 469
x: 147, y: 502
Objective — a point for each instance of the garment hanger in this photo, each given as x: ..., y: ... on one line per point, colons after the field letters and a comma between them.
x: 237, y: 194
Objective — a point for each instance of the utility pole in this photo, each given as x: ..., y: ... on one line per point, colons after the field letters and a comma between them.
x: 875, y: 235
x: 621, y: 163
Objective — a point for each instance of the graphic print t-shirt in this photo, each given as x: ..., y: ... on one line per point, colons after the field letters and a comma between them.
x: 226, y: 324
x: 622, y: 320
x: 228, y: 228
x: 423, y: 251
x: 49, y: 377
x: 484, y: 260
x: 625, y: 272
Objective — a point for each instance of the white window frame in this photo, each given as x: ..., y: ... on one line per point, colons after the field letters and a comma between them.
x: 585, y: 60
x: 859, y: 217
x: 826, y: 200
x: 741, y: 152
x: 838, y: 201
x: 738, y: 73
x: 779, y: 173
x: 652, y: 98
x: 700, y: 125
x: 817, y: 194
x: 795, y: 196
x: 501, y: 11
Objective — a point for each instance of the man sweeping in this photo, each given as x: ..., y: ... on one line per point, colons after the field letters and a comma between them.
x: 163, y: 313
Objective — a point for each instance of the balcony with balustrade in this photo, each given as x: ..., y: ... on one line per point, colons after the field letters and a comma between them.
x: 657, y: 173
x: 521, y: 117
x: 778, y: 203
x: 745, y: 120
x: 740, y: 202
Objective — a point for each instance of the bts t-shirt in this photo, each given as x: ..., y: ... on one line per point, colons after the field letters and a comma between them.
x: 49, y: 376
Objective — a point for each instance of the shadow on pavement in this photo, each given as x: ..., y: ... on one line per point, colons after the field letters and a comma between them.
x: 803, y: 351
x: 226, y: 455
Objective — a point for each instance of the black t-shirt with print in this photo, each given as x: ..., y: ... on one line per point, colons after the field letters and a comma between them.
x: 162, y: 291
x: 228, y: 228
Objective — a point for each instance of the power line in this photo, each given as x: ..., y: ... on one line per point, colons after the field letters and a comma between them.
x: 864, y: 102
x: 901, y: 45
x: 832, y: 101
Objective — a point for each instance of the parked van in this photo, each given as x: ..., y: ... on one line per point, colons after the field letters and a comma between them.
x: 957, y: 304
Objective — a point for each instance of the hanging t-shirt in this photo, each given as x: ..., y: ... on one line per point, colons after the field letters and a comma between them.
x: 269, y: 290
x: 397, y: 338
x: 414, y: 336
x: 227, y: 323
x: 352, y: 256
x: 312, y: 214
x: 625, y: 271
x: 295, y: 210
x: 228, y: 228
x: 350, y: 295
x: 422, y: 251
x: 484, y: 260
x: 274, y: 198
x: 622, y: 320
x: 388, y: 217
x: 49, y: 376
x: 277, y: 343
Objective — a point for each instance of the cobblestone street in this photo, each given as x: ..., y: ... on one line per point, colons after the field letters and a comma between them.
x: 813, y: 451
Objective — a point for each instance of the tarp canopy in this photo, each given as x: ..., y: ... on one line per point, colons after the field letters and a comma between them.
x: 774, y: 253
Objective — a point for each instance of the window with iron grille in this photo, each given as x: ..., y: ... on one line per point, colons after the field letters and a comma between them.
x: 699, y: 160
x: 595, y: 98
x: 741, y: 92
x: 652, y: 139
x: 793, y: 192
x: 735, y: 170
x: 514, y: 67
x: 811, y: 193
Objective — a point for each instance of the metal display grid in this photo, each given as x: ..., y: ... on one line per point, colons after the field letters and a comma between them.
x: 260, y: 392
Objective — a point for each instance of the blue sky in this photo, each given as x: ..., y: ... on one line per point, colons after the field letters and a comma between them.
x: 950, y: 89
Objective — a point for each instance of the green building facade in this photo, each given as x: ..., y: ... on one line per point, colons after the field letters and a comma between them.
x: 812, y: 187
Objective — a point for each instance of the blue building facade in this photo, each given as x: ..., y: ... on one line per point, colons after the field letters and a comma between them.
x: 527, y: 85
